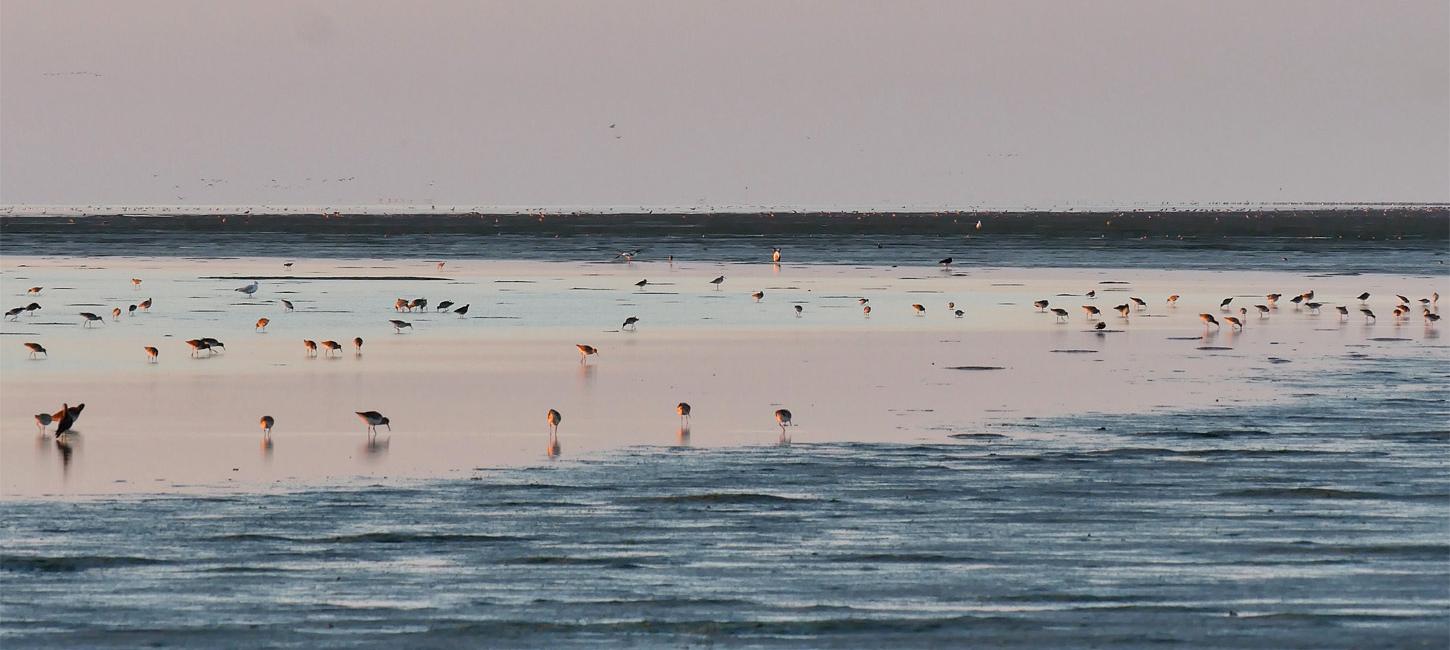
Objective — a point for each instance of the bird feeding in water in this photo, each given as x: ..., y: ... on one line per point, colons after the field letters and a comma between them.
x: 398, y: 325
x: 1139, y: 302
x: 1234, y: 321
x: 782, y: 418
x: 151, y: 353
x: 1226, y: 301
x: 33, y: 291
x: 798, y: 310
x: 1343, y: 312
x: 1061, y: 314
x: 1263, y: 310
x: 357, y: 345
x: 775, y: 255
x: 642, y: 283
x: 1123, y: 310
x: 197, y: 345
x: 213, y: 343
x: 1041, y: 305
x: 585, y: 351
x: 1313, y: 306
x: 89, y: 318
x: 684, y: 410
x: 115, y: 314
x: 1173, y: 299
x: 758, y: 295
x: 461, y: 311
x: 262, y: 324
x: 1208, y: 319
x: 866, y: 310
x: 146, y: 305
x: 136, y: 283
x: 267, y: 421
x: 553, y: 418
x: 1091, y: 311
x: 443, y: 306
x: 43, y: 420
x: 1368, y: 315
x: 920, y: 309
x: 945, y: 262
x: 400, y: 304
x: 309, y: 347
x: 14, y: 314
x: 1092, y: 293
x: 131, y: 311
x: 67, y: 419
x: 1272, y: 298
x: 1363, y: 296
x: 332, y: 346
x: 374, y: 419
x: 36, y: 348
x: 286, y: 304
x: 630, y: 323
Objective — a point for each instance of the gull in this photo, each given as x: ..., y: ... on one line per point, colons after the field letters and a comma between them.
x: 443, y: 306
x: 249, y: 289
x: 286, y: 304
x: 585, y: 351
x: 36, y: 348
x: 630, y: 323
x: 758, y: 295
x: 262, y: 324
x: 920, y: 309
x: 151, y: 353
x: 89, y: 318
x: 373, y: 419
x: 461, y: 311
x: 267, y: 421
x: 398, y: 325
x: 717, y: 281
x: 1041, y: 305
x: 684, y: 410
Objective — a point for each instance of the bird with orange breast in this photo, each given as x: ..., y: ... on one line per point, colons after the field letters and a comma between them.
x: 684, y: 410
x: 36, y: 348
x: 1041, y: 305
x: 332, y: 346
x: 267, y: 422
x: 919, y: 308
x: 261, y: 325
x: 1090, y: 311
x: 1234, y: 321
x: 585, y: 351
x: 115, y: 314
x: 309, y: 347
x: 1208, y: 319
x: 1173, y: 300
x: 151, y: 353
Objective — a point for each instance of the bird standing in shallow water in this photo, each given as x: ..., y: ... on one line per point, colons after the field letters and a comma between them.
x: 146, y: 305
x: 332, y: 346
x: 1224, y: 304
x: 67, y: 419
x: 374, y: 419
x: 775, y: 255
x: 630, y: 323
x: 286, y: 304
x: 1061, y: 314
x: 1208, y: 319
x: 33, y: 291
x: 1343, y: 312
x: 684, y: 410
x: 151, y: 353
x: 461, y: 311
x: 131, y: 311
x: 1263, y: 310
x: 782, y: 418
x: 1092, y: 293
x: 920, y: 309
x: 267, y: 423
x: 1363, y: 296
x: 585, y: 351
x: 758, y: 295
x: 262, y: 324
x: 357, y: 346
x: 115, y: 314
x: 1368, y: 315
x: 1041, y: 305
x: 866, y: 310
x: 1173, y: 300
x: 89, y: 318
x: 1234, y: 321
x: 249, y: 289
x: 1139, y: 302
x: 1091, y: 311
x: 945, y: 262
x: 1100, y: 326
x: 43, y: 420
x: 642, y: 283
x: 398, y: 325
x: 309, y: 347
x: 36, y: 348
x: 443, y: 306
x: 798, y: 310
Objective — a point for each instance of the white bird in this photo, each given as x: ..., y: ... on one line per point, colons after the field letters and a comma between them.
x: 249, y: 289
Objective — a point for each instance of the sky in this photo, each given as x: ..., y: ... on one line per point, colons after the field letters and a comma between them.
x: 845, y: 103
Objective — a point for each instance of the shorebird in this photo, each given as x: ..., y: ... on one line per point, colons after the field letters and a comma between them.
x: 1139, y: 302
x: 1224, y: 304
x: 34, y: 306
x: 717, y: 281
x: 782, y: 417
x: 1398, y: 312
x: 1343, y: 312
x: 758, y: 295
x: 1431, y: 317
x: 131, y: 311
x: 1272, y: 298
x: 398, y: 325
x: 267, y: 423
x: 212, y: 343
x: 1263, y: 310
x: 1173, y: 299
x: 862, y: 301
x: 43, y: 420
x: 585, y: 351
x: 373, y: 419
x: 798, y: 310
x: 67, y: 419
x: 33, y: 291
x: 1092, y: 293
x: 287, y: 265
x: 443, y: 306
x: 1061, y: 314
x: 959, y: 313
x: 951, y: 306
x: 1041, y: 305
x: 36, y: 348
x: 1091, y: 311
x: 151, y: 353
x: 1297, y: 299
x: 357, y: 345
x: 553, y: 418
x: 866, y: 310
x: 1234, y: 321
x: 1403, y: 299
x: 775, y: 255
x: 115, y: 314
x: 1435, y: 297
x: 146, y: 305
x: 630, y: 323
x: 1313, y: 306
x: 440, y: 265
x: 1208, y: 319
x: 286, y: 304
x: 309, y: 347
x: 417, y: 303
x: 332, y: 346
x: 642, y: 283
x: 1368, y: 315
x: 249, y: 289
x: 14, y: 314
x: 1308, y: 295
x: 1123, y: 310
x: 920, y: 309
x: 197, y: 345
x: 89, y: 318
x: 401, y: 304
x: 945, y: 262
x: 136, y: 282
x: 461, y: 311
x: 1363, y: 296
x: 1100, y: 326
x: 262, y: 324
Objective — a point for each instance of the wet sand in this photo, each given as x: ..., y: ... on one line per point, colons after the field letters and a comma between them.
x: 467, y: 393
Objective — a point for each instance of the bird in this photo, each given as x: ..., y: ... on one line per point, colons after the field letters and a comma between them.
x: 332, y: 346
x: 262, y: 324
x: 398, y: 325
x: 1225, y: 302
x: 866, y: 310
x: 1100, y: 326
x: 443, y: 306
x: 1091, y: 311
x: 630, y: 323
x: 131, y: 311
x: 775, y: 255
x: 417, y: 303
x: 951, y: 306
x: 287, y: 265
x: 718, y: 281
x: 309, y: 347
x: 401, y: 304
x: 357, y: 345
x: 959, y: 313
x: 14, y: 314
x: 920, y: 309
x: 1314, y: 306
x: 1139, y: 302
x: 1308, y: 295
x: 36, y: 348
x: 1431, y: 317
x: 798, y: 310
x: 782, y: 417
x: 1297, y: 299
x: 553, y: 418
x: 1403, y: 299
x: 151, y: 353
x: 249, y: 289
x: 585, y: 351
x: 1061, y: 314
x: 1263, y: 310
x: 1272, y: 298
x: 1041, y: 305
x: 89, y: 318
x: 945, y: 262
x: 1368, y: 315
x: 43, y: 420
x: 461, y: 311
x: 1398, y: 312
x: 862, y: 301
x: 136, y: 282
x: 684, y: 410
x: 115, y: 314
x: 1343, y: 312
x: 267, y: 421
x: 286, y: 304
x: 1173, y: 299
x: 1363, y: 296
x: 374, y: 419
x: 67, y: 419
x: 146, y: 305
x: 1234, y: 321
x: 32, y: 307
x: 197, y: 345
x: 1092, y: 293
x: 758, y: 295
x: 1208, y: 319
x: 33, y: 291
x: 1123, y: 310
x: 212, y: 343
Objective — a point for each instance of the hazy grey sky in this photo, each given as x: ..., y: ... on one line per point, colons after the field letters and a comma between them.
x: 724, y: 103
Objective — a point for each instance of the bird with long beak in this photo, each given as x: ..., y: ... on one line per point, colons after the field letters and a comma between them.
x: 585, y: 351
x: 374, y: 420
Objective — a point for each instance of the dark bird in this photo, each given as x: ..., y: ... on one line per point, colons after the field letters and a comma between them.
x: 1041, y: 305
x: 1343, y: 312
x: 357, y: 345
x: 67, y: 419
x: 684, y: 410
x: 959, y: 313
x: 374, y: 419
x: 630, y: 323
x: 32, y: 307
x: 89, y: 318
x: 1139, y: 302
x: 945, y: 262
x: 1225, y: 302
x: 1061, y: 314
x: 1092, y: 293
x: 15, y: 313
x: 1091, y: 311
x: 585, y: 351
x: 1368, y: 315
x: 1314, y: 306
x: 641, y: 284
x: 1363, y: 296
x: 146, y: 305
x: 1234, y: 321
x: 461, y: 311
x: 758, y: 295
x: 1100, y: 326
x: 36, y: 348
x: 1263, y: 310
x: 1208, y: 319
x: 131, y: 311
x: 718, y: 281
x: 1297, y: 299
x: 398, y: 325
x: 798, y: 310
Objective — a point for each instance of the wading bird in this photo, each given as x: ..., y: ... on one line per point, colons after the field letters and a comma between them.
x: 1368, y: 315
x: 1224, y: 304
x: 89, y: 318
x: 798, y: 310
x: 146, y: 305
x: 267, y: 423
x: 1343, y: 312
x: 758, y: 295
x: 1173, y: 299
x: 36, y: 348
x: 585, y: 351
x: 1208, y: 319
x: 262, y: 324
x: 920, y: 309
x: 630, y: 323
x: 374, y: 419
x: 461, y: 311
x: 43, y: 420
x: 782, y: 417
x: 1061, y: 314
x: 1041, y: 305
x: 718, y: 281
x: 309, y: 347
x: 286, y: 304
x: 1139, y: 302
x: 945, y: 262
x: 1263, y: 310
x: 775, y: 255
x: 332, y: 346
x: 1091, y: 311
x: 115, y: 314
x: 357, y: 345
x: 443, y: 306
x: 151, y: 353
x: 197, y: 345
x: 553, y: 418
x: 249, y: 289
x: 33, y: 291
x: 1234, y: 321
x: 684, y: 410
x: 398, y: 325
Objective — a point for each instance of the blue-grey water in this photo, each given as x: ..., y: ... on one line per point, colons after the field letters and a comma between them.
x: 1322, y: 521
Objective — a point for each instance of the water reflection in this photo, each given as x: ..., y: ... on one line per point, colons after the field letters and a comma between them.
x: 682, y: 436
x: 376, y: 447
x: 267, y: 448
x: 586, y: 374
x: 554, y: 449
x: 66, y: 444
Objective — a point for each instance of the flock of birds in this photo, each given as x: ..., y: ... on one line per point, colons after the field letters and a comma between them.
x: 65, y: 418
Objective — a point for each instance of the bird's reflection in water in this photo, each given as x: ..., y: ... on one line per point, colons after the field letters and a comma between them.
x: 1432, y: 333
x: 376, y: 447
x: 682, y: 436
x: 586, y: 374
x: 784, y: 440
x: 267, y: 448
x: 554, y: 448
x: 66, y: 444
